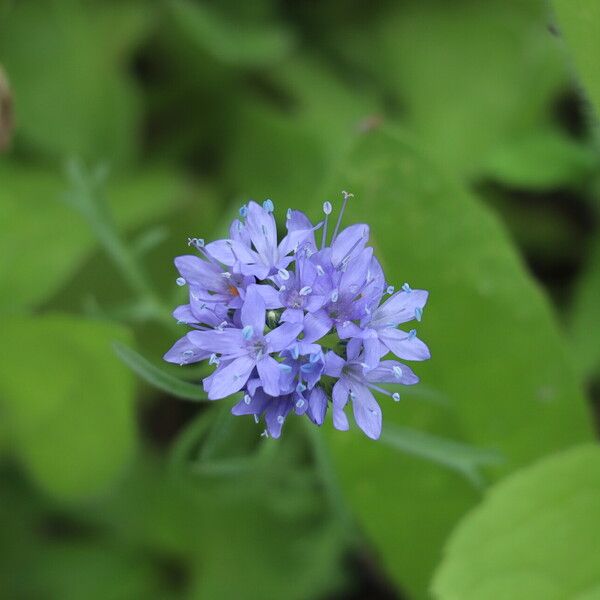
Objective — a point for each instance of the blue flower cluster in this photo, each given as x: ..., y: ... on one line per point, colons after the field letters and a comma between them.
x: 294, y: 326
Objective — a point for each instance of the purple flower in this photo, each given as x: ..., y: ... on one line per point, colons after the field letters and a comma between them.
x: 253, y: 247
x: 238, y: 351
x: 294, y: 327
x: 355, y: 382
x: 379, y: 333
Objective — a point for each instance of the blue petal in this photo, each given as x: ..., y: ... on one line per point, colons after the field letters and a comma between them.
x: 230, y: 378
x: 269, y: 371
x: 253, y: 310
x: 367, y: 413
x: 404, y: 345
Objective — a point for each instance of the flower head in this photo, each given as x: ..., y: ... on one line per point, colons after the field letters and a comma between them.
x: 293, y: 327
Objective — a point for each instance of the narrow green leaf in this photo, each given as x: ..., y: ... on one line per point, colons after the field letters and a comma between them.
x: 227, y: 37
x: 158, y: 378
x: 466, y: 460
x: 30, y: 208
x: 541, y: 160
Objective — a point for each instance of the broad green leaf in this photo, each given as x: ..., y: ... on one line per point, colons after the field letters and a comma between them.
x: 67, y: 402
x: 465, y: 75
x: 579, y: 25
x: 585, y: 316
x: 534, y: 536
x: 542, y: 160
x: 158, y: 378
x: 229, y: 37
x: 496, y: 353
x: 43, y: 241
x: 73, y: 96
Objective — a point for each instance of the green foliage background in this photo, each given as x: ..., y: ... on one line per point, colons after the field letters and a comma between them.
x: 468, y: 132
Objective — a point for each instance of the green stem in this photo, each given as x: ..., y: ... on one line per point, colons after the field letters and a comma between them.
x: 87, y: 197
x: 337, y: 503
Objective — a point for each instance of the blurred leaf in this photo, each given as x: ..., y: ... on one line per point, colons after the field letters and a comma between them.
x: 465, y: 75
x: 73, y: 96
x: 496, y: 352
x: 534, y: 536
x: 543, y: 160
x: 72, y: 424
x: 158, y: 378
x: 466, y: 460
x: 93, y: 570
x: 544, y: 235
x: 229, y: 37
x: 579, y: 23
x: 274, y: 157
x: 281, y: 154
x: 43, y: 241
x: 244, y: 538
x: 585, y: 316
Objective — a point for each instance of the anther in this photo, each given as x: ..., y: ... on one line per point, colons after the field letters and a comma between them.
x: 327, y: 208
x: 418, y: 313
x: 180, y: 281
x: 288, y: 214
x: 300, y: 403
x: 306, y: 290
x: 243, y: 211
x: 412, y: 334
x: 213, y: 360
x: 280, y: 419
x: 268, y: 205
x: 335, y: 295
x: 320, y: 270
x: 390, y: 289
x: 284, y: 274
x: 397, y: 372
x: 285, y: 368
x: 247, y: 399
x: 300, y: 387
x: 407, y: 288
x: 396, y: 397
x: 226, y: 274
x: 248, y: 332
